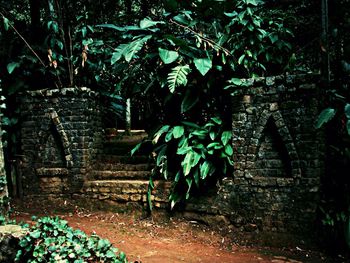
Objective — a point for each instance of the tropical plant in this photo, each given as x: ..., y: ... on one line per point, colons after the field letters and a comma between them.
x: 186, y: 62
x: 52, y: 240
x: 61, y: 58
x: 190, y: 154
x: 259, y: 44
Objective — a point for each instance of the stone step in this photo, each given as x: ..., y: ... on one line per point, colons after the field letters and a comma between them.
x: 123, y: 148
x: 127, y: 139
x: 114, y: 133
x: 126, y: 190
x: 124, y: 159
x: 115, y: 175
x: 116, y: 186
x: 117, y: 150
x: 123, y: 167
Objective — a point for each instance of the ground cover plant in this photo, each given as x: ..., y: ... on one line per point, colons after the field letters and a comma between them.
x: 50, y: 239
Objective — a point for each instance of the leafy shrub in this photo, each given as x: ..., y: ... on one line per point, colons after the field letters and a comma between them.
x: 192, y: 153
x: 52, y: 240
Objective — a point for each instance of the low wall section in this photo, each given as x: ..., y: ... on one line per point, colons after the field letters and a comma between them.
x: 278, y: 157
x: 60, y: 137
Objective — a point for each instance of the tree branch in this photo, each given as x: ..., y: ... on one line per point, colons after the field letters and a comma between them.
x: 211, y: 42
x: 25, y: 41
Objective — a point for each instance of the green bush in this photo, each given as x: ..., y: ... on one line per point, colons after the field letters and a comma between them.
x: 52, y: 240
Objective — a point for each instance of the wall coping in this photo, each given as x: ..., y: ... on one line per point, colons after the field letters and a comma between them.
x: 275, y: 84
x: 61, y: 92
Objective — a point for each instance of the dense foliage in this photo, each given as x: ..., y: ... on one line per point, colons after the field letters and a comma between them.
x: 189, y: 63
x: 335, y: 117
x: 181, y: 53
x: 52, y: 240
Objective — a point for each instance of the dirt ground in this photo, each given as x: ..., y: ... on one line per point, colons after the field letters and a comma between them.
x: 172, y: 240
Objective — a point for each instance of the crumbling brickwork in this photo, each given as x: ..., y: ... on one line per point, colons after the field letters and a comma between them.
x: 60, y: 137
x: 278, y: 159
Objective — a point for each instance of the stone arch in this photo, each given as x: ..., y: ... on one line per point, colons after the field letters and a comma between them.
x: 271, y: 119
x: 53, y: 127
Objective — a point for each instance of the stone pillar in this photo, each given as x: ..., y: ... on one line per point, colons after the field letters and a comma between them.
x: 61, y: 134
x: 279, y: 155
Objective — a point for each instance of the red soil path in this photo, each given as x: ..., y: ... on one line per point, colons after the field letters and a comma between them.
x: 167, y: 241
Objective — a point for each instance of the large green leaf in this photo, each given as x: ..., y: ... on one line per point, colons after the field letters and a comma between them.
x: 201, y: 134
x: 134, y: 47
x: 235, y: 81
x: 347, y: 111
x: 225, y: 137
x: 241, y: 58
x: 169, y: 135
x: 228, y: 150
x: 212, y: 135
x: 217, y: 120
x: 178, y: 131
x: 182, y: 19
x: 203, y: 65
x: 168, y: 56
x: 11, y: 67
x: 252, y: 2
x: 119, y: 52
x: 6, y: 23
x: 206, y: 169
x: 84, y: 31
x: 325, y: 116
x: 159, y: 133
x: 111, y: 26
x: 273, y: 38
x: 187, y: 163
x: 178, y: 77
x: 191, y: 124
x: 146, y: 23
x: 213, y: 145
x: 196, y: 158
x: 183, y: 150
x: 183, y: 142
x: 178, y: 175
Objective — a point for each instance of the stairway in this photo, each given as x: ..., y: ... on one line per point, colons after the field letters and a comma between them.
x: 121, y: 179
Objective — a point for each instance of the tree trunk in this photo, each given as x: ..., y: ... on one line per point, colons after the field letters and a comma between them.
x: 128, y: 117
x: 35, y: 20
x: 325, y: 69
x: 3, y: 182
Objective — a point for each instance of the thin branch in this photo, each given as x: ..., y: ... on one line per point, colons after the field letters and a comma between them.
x: 226, y: 51
x: 25, y: 41
x: 70, y: 64
x: 63, y: 36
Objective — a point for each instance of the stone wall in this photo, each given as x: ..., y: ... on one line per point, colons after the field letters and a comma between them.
x: 60, y: 137
x: 278, y: 159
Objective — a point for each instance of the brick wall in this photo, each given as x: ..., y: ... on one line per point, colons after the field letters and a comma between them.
x: 279, y: 156
x: 60, y: 137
